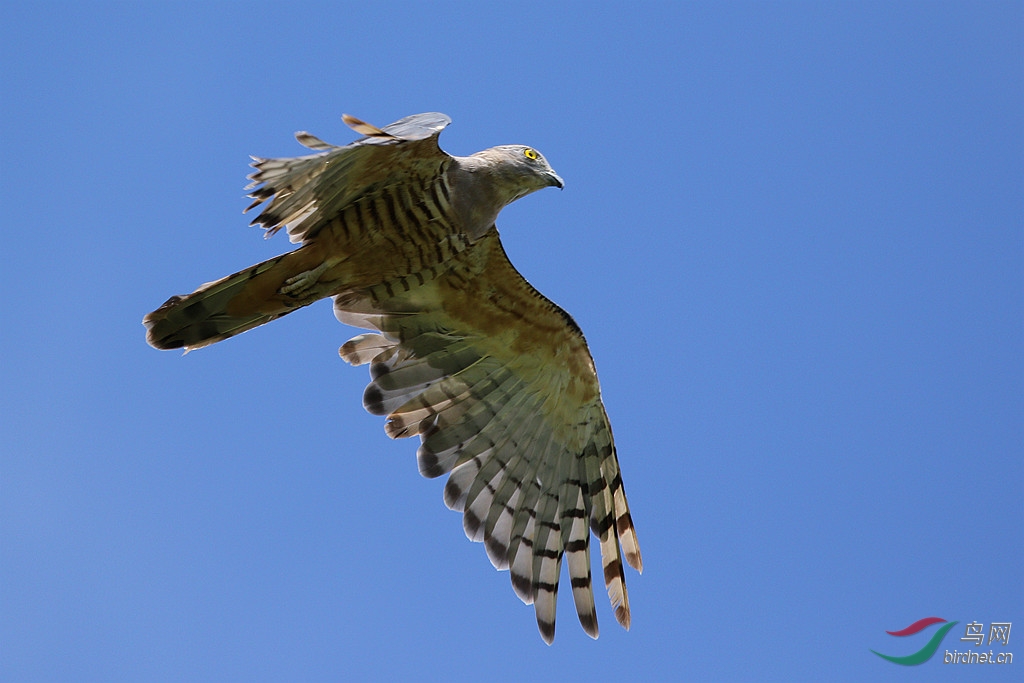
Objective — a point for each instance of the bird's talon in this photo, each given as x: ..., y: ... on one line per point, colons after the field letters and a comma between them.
x: 295, y: 286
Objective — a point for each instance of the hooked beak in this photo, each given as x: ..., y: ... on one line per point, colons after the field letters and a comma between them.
x: 555, y: 180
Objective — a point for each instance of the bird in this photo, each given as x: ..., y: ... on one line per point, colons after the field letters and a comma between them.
x: 495, y: 379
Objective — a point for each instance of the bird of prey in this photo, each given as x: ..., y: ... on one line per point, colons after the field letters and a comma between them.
x: 495, y: 379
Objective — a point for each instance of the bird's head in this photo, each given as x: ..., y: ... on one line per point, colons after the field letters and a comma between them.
x: 521, y: 170
x: 486, y: 182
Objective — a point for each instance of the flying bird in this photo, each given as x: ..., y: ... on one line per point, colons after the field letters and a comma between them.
x: 495, y: 379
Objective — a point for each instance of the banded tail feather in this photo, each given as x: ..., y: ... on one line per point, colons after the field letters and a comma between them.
x: 229, y: 306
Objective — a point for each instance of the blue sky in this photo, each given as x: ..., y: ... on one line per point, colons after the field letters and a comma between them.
x: 792, y: 232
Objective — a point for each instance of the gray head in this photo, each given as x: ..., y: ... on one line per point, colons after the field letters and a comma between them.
x: 523, y: 166
x: 485, y: 182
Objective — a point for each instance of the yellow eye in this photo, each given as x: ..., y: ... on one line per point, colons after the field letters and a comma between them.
x: 530, y: 153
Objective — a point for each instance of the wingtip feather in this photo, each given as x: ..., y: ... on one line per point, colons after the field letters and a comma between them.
x: 364, y: 128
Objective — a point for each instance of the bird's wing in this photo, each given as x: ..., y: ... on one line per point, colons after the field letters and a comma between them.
x: 306, y: 192
x: 499, y: 384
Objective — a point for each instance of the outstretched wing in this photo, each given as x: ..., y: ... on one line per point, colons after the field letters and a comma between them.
x: 499, y: 384
x: 306, y: 192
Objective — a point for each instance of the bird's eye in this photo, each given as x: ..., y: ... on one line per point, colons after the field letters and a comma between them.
x: 530, y: 153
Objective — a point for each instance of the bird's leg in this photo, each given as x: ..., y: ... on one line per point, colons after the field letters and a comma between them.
x: 300, y: 284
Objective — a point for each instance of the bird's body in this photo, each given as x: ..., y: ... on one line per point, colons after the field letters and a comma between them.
x: 495, y: 379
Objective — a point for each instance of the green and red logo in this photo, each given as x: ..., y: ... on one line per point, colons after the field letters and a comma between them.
x: 998, y: 633
x: 926, y: 652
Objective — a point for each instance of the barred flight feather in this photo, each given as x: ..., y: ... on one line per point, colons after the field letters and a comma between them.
x: 481, y: 493
x: 449, y: 399
x: 435, y: 460
x: 521, y: 549
x: 313, y: 142
x: 428, y: 386
x: 493, y: 470
x: 461, y: 478
x: 521, y: 542
x: 505, y: 506
x: 576, y: 540
x: 364, y: 348
x: 547, y: 556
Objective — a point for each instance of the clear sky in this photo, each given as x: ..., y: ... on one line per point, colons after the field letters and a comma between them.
x: 792, y: 232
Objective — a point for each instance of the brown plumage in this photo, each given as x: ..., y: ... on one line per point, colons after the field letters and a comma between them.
x: 495, y: 379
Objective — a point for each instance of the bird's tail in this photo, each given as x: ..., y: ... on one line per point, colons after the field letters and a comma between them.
x: 229, y: 306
